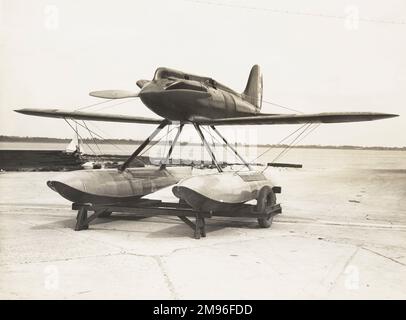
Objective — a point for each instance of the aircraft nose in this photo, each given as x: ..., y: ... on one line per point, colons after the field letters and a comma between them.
x: 173, y: 102
x: 151, y: 94
x: 151, y: 98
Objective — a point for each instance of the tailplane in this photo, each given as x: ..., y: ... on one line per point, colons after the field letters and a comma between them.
x: 253, y: 91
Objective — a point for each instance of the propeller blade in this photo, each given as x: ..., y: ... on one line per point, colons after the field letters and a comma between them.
x: 114, y: 94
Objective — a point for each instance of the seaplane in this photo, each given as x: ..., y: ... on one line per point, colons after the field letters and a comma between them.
x: 180, y: 99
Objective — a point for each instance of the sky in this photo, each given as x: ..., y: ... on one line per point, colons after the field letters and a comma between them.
x: 315, y: 55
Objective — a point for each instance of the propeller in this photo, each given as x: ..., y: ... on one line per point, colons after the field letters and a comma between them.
x: 114, y: 94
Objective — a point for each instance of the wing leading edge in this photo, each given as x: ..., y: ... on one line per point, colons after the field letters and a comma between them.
x: 89, y: 116
x: 337, y: 117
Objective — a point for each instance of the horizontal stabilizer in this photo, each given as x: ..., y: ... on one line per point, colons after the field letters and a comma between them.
x: 90, y: 116
x: 285, y: 165
x: 337, y: 117
x: 114, y: 94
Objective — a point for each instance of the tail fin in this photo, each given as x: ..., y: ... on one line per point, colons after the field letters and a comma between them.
x: 253, y: 91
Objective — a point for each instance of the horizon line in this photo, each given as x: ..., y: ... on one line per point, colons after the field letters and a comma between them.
x: 4, y: 138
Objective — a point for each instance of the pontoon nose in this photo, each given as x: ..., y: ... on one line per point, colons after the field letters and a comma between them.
x: 68, y: 192
x: 112, y: 186
x: 52, y: 185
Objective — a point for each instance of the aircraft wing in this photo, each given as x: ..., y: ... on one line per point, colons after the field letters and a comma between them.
x: 337, y: 117
x: 260, y: 119
x: 89, y: 116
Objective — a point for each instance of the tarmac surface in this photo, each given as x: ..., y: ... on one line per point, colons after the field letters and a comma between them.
x: 342, y: 234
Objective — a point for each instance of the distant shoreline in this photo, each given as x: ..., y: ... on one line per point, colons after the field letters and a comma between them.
x: 130, y: 141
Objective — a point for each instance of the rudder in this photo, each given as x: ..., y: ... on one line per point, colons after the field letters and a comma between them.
x: 253, y: 90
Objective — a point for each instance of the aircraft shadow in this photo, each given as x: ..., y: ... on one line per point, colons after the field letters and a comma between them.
x: 176, y: 229
x: 212, y: 225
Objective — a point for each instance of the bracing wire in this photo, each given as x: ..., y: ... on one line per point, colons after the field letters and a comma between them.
x: 81, y: 138
x: 284, y: 139
x: 281, y: 106
x: 109, y: 138
x: 91, y: 135
x: 100, y: 109
x: 218, y: 141
x: 99, y: 136
x: 116, y: 104
x: 104, y: 102
x: 273, y: 103
x: 92, y: 105
x: 286, y: 149
x: 273, y: 146
x: 213, y: 139
x: 309, y: 132
x: 295, y: 142
x: 156, y: 142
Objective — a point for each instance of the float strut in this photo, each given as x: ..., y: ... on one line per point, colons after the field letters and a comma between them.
x: 164, y: 163
x: 211, y: 153
x: 125, y: 165
x: 231, y: 147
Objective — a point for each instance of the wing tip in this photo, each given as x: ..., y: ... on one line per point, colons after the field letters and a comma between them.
x: 391, y: 115
x: 93, y: 94
x: 23, y: 111
x: 382, y: 116
x: 33, y: 111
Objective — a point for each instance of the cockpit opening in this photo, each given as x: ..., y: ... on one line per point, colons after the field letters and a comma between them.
x: 165, y: 73
x: 187, y: 85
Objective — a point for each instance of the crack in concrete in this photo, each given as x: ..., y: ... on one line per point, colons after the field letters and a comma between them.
x: 156, y: 258
x: 397, y: 227
x: 61, y: 259
x: 210, y: 245
x: 334, y: 283
x: 360, y: 246
x: 167, y: 279
x: 382, y: 255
